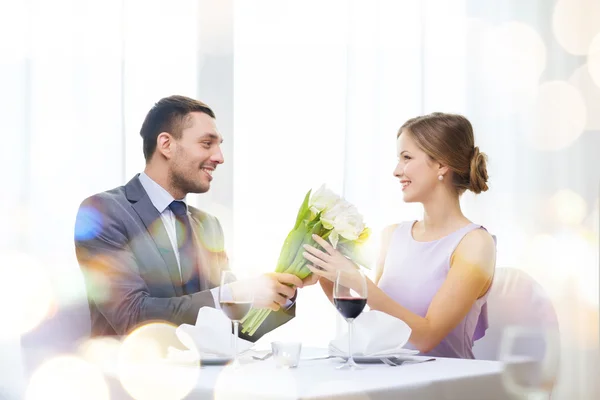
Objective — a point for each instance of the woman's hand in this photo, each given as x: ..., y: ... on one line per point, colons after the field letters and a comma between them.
x: 326, y: 263
x: 310, y: 280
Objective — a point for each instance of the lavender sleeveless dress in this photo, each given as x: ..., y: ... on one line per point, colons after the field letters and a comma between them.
x: 414, y: 272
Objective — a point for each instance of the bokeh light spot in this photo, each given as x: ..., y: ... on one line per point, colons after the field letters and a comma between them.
x: 575, y: 23
x: 559, y: 117
x: 514, y: 57
x: 589, y: 272
x: 88, y: 223
x: 594, y: 60
x: 568, y: 207
x: 66, y: 378
x: 102, y: 352
x: 145, y: 370
x: 582, y: 80
x: 23, y: 310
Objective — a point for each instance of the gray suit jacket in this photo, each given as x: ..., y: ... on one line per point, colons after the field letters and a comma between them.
x: 130, y: 269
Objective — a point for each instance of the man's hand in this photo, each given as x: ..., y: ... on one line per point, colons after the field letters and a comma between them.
x: 270, y: 290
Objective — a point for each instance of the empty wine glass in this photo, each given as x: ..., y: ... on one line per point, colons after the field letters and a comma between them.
x: 350, y: 298
x: 531, y: 358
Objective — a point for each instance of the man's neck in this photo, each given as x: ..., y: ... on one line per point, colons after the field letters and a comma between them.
x: 161, y: 177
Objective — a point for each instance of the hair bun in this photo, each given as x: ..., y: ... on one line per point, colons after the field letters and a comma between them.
x: 478, y: 173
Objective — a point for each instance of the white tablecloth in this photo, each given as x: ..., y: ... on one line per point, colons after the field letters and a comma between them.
x: 443, y: 378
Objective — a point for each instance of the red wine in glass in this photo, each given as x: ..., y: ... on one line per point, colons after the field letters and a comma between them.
x: 350, y: 307
x: 350, y: 299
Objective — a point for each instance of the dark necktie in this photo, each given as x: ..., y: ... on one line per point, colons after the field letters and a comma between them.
x: 186, y: 247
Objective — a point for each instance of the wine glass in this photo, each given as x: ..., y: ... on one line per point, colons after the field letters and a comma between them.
x: 350, y: 298
x: 235, y: 308
x: 531, y: 358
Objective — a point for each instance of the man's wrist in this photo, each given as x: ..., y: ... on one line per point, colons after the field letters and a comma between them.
x: 291, y: 301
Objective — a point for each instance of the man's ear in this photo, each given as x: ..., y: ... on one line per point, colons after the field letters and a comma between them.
x: 164, y: 144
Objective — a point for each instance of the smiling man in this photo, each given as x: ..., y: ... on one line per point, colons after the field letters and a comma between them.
x: 147, y: 255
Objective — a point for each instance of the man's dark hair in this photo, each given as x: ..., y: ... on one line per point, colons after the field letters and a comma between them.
x: 169, y: 114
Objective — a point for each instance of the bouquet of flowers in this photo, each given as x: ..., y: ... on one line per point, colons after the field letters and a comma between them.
x: 329, y: 216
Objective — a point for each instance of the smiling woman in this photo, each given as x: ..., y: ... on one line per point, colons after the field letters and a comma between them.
x: 434, y: 274
x: 444, y: 139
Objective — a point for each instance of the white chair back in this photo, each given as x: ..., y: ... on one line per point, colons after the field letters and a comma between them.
x: 515, y: 299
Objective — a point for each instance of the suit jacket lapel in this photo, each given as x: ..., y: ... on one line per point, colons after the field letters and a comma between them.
x: 203, y: 255
x: 151, y: 219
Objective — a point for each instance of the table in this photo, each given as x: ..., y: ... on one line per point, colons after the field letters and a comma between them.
x: 442, y: 379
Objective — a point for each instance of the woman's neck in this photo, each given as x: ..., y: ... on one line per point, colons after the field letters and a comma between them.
x: 443, y: 214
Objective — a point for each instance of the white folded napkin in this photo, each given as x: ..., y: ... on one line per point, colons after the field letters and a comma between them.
x: 375, y: 334
x: 211, y: 336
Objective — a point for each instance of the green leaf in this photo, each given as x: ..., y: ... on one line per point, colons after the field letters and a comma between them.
x: 303, y: 210
x: 299, y: 258
x: 290, y: 247
x: 248, y: 320
x: 254, y: 320
x: 303, y: 271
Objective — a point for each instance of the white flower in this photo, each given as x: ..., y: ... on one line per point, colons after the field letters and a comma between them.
x: 349, y: 224
x: 344, y: 219
x: 334, y: 238
x: 330, y: 214
x: 322, y: 199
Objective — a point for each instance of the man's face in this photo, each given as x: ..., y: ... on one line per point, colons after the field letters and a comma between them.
x: 196, y: 154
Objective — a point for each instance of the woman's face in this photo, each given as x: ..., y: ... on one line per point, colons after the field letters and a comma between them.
x: 417, y: 172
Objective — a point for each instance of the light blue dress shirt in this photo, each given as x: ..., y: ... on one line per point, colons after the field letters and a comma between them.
x: 161, y: 199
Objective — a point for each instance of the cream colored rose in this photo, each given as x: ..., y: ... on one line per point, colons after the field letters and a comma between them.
x: 349, y: 224
x: 330, y: 214
x: 323, y: 199
x: 345, y: 221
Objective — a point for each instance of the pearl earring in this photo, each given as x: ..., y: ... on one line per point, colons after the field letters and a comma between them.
x: 440, y: 178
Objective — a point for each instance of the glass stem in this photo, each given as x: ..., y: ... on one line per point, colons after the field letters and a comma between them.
x: 350, y: 329
x: 234, y: 340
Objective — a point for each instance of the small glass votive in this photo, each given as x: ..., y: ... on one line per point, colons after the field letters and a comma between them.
x: 286, y: 354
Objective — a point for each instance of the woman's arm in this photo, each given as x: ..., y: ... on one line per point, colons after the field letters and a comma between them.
x: 471, y: 270
x: 327, y: 287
